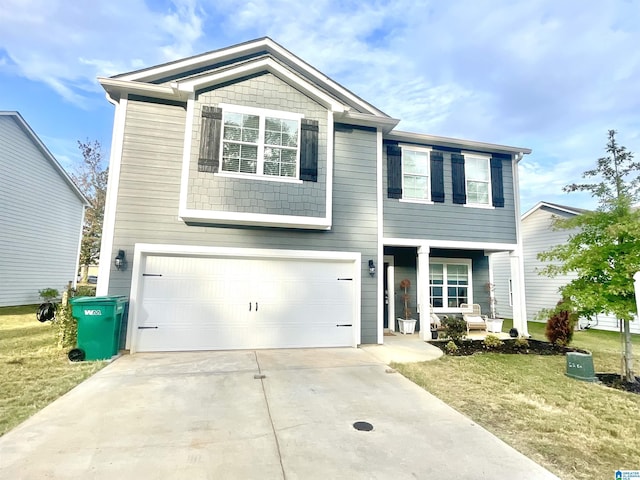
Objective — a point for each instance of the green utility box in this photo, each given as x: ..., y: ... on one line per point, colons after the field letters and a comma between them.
x: 580, y: 367
x: 99, y: 320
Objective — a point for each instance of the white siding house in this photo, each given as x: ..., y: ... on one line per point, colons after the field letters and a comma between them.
x: 41, y: 215
x: 542, y: 291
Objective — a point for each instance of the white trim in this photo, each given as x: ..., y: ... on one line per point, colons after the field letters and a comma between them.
x: 391, y: 295
x: 142, y: 250
x: 261, y: 177
x: 328, y: 213
x: 489, y: 148
x: 380, y: 233
x: 75, y: 275
x: 487, y: 160
x: 456, y: 245
x: 111, y: 200
x: 232, y: 53
x: 262, y: 114
x: 418, y: 149
x: 539, y: 205
x: 519, y: 310
x: 46, y: 153
x: 186, y: 151
x: 256, y: 219
x: 410, y: 200
x: 257, y: 66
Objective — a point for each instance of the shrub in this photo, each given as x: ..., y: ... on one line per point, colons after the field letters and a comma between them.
x: 48, y: 294
x: 560, y: 325
x: 85, y: 291
x: 66, y: 326
x: 451, y: 347
x: 521, y: 342
x: 492, y: 341
x: 455, y: 328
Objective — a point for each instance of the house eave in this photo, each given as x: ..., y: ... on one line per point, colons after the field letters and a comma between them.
x: 47, y: 154
x: 401, y: 136
x: 253, y: 47
x: 117, y: 89
x: 385, y: 124
x: 559, y: 208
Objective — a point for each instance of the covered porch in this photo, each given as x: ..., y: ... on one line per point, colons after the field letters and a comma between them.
x: 420, y: 279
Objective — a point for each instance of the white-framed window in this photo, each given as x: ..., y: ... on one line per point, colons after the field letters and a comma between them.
x: 450, y: 283
x: 477, y: 170
x: 415, y: 174
x: 260, y: 142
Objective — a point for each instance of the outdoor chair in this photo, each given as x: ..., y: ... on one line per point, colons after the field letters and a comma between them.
x: 473, y: 317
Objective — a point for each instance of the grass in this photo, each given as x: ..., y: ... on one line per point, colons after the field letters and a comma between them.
x: 578, y: 430
x: 33, y: 371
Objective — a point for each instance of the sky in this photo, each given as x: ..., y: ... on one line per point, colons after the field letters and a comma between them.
x: 553, y: 76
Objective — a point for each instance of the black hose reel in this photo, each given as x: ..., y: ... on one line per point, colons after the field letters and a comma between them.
x: 46, y: 312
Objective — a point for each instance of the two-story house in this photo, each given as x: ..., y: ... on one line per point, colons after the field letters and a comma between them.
x: 253, y: 202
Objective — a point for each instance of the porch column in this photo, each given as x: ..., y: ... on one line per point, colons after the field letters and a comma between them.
x: 422, y: 289
x: 518, y: 292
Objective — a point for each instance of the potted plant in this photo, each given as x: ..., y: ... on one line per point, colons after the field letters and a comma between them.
x: 407, y: 324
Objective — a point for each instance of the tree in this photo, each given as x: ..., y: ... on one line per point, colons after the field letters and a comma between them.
x: 91, y: 177
x: 605, y: 252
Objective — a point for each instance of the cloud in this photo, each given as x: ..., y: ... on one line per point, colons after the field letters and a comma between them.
x: 552, y: 76
x: 66, y: 45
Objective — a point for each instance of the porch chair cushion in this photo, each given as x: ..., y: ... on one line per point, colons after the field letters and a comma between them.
x: 475, y: 322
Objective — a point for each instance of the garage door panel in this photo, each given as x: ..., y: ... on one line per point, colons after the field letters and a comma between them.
x: 210, y: 303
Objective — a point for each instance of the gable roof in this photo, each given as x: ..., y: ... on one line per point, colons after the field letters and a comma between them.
x: 556, y: 207
x: 46, y: 153
x: 179, y: 80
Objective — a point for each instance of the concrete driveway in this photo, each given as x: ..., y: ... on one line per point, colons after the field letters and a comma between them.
x: 211, y: 415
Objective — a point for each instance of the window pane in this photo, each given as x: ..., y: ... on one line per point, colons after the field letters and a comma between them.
x: 281, y: 132
x: 230, y: 164
x: 478, y: 192
x: 271, y: 168
x: 250, y: 135
x: 436, y: 273
x: 476, y: 169
x: 251, y: 121
x: 415, y: 162
x: 288, y: 170
x: 232, y: 133
x: 415, y: 187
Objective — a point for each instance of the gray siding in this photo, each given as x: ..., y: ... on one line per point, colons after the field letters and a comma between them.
x: 211, y: 192
x: 147, y: 210
x: 40, y: 220
x: 448, y: 221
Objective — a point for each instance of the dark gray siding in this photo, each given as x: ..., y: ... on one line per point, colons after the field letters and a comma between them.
x: 448, y: 221
x: 147, y: 210
x: 212, y: 192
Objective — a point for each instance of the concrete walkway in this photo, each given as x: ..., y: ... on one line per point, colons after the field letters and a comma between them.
x: 272, y: 414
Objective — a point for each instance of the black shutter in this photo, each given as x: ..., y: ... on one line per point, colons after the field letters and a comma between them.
x: 309, y: 150
x: 437, y: 177
x: 394, y: 171
x: 497, y: 191
x: 457, y: 176
x: 210, y: 134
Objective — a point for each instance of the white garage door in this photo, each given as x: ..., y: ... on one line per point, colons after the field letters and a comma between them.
x: 204, y: 303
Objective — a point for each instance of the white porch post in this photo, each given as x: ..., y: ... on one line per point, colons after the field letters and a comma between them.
x: 422, y: 290
x: 518, y: 291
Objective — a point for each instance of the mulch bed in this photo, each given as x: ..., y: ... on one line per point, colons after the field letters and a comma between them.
x: 536, y: 347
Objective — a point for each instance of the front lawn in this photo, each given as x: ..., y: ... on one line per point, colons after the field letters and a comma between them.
x: 33, y: 371
x: 577, y: 430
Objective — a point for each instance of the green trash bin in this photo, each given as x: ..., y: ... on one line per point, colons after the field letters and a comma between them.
x: 99, y: 320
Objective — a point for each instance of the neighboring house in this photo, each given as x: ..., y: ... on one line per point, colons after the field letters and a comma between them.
x: 255, y: 203
x: 41, y: 215
x: 542, y: 292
